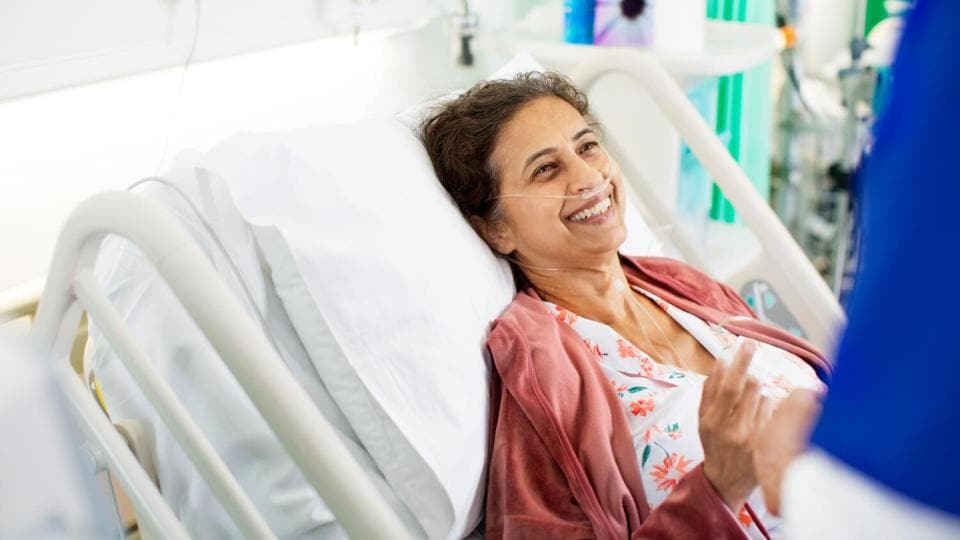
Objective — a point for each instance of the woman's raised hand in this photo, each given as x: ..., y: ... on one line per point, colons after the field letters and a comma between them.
x: 731, y: 412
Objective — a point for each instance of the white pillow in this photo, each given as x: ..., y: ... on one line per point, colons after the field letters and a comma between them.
x: 391, y: 293
x: 371, y: 258
x: 188, y: 362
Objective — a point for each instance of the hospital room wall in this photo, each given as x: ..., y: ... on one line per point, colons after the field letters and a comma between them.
x: 60, y: 147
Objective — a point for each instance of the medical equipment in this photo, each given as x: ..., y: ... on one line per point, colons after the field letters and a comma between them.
x: 578, y: 20
x: 464, y: 28
x: 253, y: 360
x: 824, y: 134
x: 584, y: 195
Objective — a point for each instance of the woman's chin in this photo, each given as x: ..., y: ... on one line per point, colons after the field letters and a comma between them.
x: 606, y: 245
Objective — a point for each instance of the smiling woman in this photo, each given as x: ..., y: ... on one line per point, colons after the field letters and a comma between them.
x: 547, y: 151
x: 605, y: 421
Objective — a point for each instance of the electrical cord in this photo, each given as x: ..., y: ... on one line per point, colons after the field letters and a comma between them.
x: 183, y: 78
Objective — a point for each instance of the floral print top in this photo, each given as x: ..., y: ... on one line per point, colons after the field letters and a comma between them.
x: 662, y: 402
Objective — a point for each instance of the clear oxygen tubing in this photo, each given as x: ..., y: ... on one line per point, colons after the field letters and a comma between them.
x: 584, y: 195
x: 220, y: 247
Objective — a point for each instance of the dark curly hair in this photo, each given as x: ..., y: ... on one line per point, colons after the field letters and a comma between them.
x: 460, y: 135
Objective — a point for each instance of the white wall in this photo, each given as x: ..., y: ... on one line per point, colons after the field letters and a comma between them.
x: 50, y: 44
x: 57, y: 148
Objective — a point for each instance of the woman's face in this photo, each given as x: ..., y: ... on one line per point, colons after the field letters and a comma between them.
x: 547, y: 148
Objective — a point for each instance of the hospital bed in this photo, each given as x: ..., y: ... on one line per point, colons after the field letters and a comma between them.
x: 359, y: 471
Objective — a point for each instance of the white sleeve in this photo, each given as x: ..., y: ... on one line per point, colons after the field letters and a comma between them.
x: 825, y: 499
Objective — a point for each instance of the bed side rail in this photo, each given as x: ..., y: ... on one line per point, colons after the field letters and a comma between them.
x: 787, y: 267
x: 20, y: 301
x: 306, y: 435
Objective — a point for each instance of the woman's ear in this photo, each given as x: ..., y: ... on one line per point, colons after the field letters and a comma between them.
x: 497, y: 235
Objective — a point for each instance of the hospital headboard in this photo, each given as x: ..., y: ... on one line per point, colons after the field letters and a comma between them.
x: 303, y: 431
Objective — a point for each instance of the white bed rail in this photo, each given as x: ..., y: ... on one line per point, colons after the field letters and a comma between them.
x: 306, y: 435
x: 20, y: 301
x: 791, y: 272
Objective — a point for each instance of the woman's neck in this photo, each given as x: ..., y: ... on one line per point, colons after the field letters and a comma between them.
x: 597, y: 293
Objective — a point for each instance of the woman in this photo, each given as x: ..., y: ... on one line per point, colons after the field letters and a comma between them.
x: 606, y: 422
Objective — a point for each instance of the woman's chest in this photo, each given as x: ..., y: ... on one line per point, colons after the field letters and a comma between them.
x: 676, y: 346
x: 668, y: 344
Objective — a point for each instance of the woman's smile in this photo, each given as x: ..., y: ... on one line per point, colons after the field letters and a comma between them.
x: 596, y: 211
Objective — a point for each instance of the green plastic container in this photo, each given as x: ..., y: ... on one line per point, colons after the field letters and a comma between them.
x: 744, y: 108
x: 876, y: 12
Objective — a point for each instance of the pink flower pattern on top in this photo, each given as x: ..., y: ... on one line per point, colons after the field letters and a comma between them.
x: 651, y: 432
x: 564, y: 315
x: 636, y: 362
x: 641, y: 407
x: 670, y: 471
x: 626, y: 350
x: 662, y: 402
x: 594, y: 348
x: 744, y: 517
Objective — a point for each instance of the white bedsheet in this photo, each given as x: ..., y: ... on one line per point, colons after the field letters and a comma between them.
x: 288, y: 503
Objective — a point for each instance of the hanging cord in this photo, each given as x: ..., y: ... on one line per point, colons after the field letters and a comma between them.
x: 183, y: 78
x: 586, y: 195
x: 219, y: 244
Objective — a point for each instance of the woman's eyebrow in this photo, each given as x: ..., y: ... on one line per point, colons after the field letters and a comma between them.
x: 583, y: 132
x: 533, y: 157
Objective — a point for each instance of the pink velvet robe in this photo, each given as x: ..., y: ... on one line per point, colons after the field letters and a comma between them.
x: 562, y: 462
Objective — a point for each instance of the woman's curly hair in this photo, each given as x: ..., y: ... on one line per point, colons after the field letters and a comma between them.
x: 460, y: 135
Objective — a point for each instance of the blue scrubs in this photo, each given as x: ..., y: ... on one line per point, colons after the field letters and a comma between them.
x: 893, y: 411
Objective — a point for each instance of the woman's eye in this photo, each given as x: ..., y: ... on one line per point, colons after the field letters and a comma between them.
x: 588, y: 146
x: 543, y: 169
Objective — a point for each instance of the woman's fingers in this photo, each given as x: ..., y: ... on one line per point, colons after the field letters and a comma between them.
x: 745, y: 410
x: 735, y: 378
x: 729, y: 405
x: 713, y: 380
x: 742, y: 359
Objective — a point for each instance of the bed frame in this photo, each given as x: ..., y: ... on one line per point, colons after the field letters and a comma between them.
x: 312, y: 443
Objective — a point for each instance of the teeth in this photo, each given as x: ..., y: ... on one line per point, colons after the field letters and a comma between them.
x: 594, y: 210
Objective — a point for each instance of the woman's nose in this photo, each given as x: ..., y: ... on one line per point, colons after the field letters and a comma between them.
x: 588, y: 175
